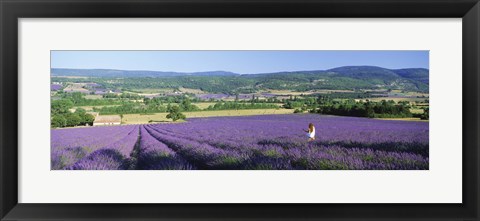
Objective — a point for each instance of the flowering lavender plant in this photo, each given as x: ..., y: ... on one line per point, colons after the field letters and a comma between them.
x: 267, y: 142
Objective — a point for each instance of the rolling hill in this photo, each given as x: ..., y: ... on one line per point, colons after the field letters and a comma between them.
x: 128, y: 74
x: 347, y: 77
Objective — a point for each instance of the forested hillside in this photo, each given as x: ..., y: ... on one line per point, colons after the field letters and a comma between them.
x: 342, y: 78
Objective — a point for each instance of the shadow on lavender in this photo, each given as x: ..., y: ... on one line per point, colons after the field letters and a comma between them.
x: 68, y: 156
x: 160, y: 161
x: 103, y: 159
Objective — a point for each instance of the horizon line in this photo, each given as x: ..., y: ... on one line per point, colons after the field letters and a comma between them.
x: 114, y: 69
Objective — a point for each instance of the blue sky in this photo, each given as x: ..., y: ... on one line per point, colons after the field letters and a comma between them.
x: 242, y: 62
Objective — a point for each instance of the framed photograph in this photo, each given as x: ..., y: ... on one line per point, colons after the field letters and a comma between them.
x: 229, y: 110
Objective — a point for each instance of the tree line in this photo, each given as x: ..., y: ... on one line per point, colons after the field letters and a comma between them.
x: 155, y: 105
x: 383, y: 109
x: 325, y: 104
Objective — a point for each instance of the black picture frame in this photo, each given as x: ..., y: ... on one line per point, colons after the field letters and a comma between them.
x: 12, y: 10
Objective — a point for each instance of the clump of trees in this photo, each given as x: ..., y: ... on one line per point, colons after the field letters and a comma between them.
x: 175, y: 114
x: 299, y: 110
x: 383, y: 109
x: 62, y: 117
x: 123, y: 96
x: 333, y: 105
x: 186, y: 105
x: 425, y: 116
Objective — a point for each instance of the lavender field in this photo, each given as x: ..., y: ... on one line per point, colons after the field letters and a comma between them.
x: 267, y: 142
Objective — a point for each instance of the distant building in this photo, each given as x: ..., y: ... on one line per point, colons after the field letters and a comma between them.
x: 107, y: 120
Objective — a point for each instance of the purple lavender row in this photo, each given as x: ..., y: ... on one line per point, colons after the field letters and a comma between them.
x: 313, y: 156
x: 245, y: 156
x: 340, y: 158
x: 55, y: 87
x: 112, y: 157
x: 202, y: 155
x: 218, y: 140
x: 86, y: 137
x: 71, y: 145
x: 155, y: 155
x: 254, y: 156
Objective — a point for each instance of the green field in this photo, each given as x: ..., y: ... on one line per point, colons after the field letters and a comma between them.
x: 93, y: 96
x: 161, y: 117
x: 203, y: 105
x: 416, y: 110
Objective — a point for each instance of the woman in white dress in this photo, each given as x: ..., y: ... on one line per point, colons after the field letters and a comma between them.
x: 310, y: 132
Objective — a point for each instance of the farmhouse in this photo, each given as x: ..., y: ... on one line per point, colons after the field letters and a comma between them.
x: 107, y: 120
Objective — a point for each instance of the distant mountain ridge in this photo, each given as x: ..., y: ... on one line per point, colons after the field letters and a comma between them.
x: 133, y: 73
x: 346, y: 71
x: 346, y: 77
x: 419, y: 74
